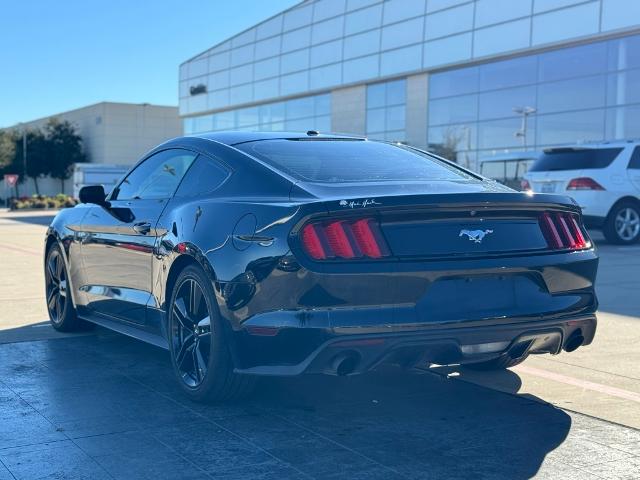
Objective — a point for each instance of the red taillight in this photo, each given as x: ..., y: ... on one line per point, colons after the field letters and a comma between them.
x: 338, y: 241
x: 550, y: 231
x: 525, y: 185
x: 369, y: 239
x: 562, y: 231
x: 584, y: 183
x: 312, y: 243
x: 345, y: 239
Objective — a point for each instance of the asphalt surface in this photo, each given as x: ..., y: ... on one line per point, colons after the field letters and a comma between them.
x: 101, y: 405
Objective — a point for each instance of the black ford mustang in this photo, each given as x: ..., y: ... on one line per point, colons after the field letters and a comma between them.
x: 254, y: 254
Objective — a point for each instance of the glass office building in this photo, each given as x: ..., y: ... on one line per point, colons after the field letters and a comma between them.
x: 467, y: 78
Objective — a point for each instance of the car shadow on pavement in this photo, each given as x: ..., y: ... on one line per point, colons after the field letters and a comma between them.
x: 37, y: 331
x: 106, y: 406
x: 42, y: 219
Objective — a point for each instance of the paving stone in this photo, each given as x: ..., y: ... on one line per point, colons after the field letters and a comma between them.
x: 5, y: 474
x: 61, y: 460
x: 128, y: 420
x: 629, y: 469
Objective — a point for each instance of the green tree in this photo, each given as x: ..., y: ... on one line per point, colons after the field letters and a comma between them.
x: 7, y: 149
x: 7, y: 153
x: 65, y: 149
x: 37, y: 156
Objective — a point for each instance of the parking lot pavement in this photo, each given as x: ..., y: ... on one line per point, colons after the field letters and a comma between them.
x: 105, y: 406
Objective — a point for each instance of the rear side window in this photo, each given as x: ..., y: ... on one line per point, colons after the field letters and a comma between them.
x: 157, y: 177
x: 574, y: 159
x: 635, y: 159
x: 344, y: 161
x: 204, y: 176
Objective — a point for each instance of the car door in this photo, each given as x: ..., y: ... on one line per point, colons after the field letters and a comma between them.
x: 633, y: 170
x: 118, y: 240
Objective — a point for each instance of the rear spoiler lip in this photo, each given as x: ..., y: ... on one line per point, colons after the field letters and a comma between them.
x: 475, y: 201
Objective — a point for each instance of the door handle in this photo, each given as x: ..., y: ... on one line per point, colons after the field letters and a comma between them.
x: 142, y: 227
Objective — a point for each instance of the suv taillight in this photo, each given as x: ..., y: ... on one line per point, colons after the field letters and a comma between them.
x: 584, y: 183
x: 563, y: 231
x: 344, y: 239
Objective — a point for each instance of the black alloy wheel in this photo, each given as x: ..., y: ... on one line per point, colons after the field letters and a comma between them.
x: 191, y: 332
x: 56, y: 282
x: 199, y: 353
x: 62, y: 313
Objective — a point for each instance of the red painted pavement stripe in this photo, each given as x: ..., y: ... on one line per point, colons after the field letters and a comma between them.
x: 21, y: 250
x: 585, y: 384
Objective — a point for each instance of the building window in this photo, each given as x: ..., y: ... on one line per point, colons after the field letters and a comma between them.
x: 386, y: 110
x: 569, y: 95
x: 299, y: 114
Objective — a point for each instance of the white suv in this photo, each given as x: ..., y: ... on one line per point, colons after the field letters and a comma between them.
x: 604, y: 179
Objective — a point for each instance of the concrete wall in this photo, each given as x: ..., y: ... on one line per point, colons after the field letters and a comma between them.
x: 120, y: 133
x: 47, y: 185
x: 112, y: 133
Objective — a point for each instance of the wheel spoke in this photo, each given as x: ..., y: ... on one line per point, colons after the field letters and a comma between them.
x: 58, y: 309
x: 59, y: 267
x: 200, y: 365
x: 51, y: 298
x: 187, y: 345
x: 195, y: 297
x: 180, y: 313
x: 51, y: 269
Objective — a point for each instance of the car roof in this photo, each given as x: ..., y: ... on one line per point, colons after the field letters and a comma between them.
x: 235, y: 137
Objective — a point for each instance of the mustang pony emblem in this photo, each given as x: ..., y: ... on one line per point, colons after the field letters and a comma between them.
x: 475, y: 235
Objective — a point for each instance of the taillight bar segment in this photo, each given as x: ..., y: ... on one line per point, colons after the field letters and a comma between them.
x: 344, y: 239
x: 562, y: 231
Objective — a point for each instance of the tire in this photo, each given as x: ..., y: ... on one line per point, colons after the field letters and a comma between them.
x: 500, y: 363
x: 200, y: 355
x: 62, y: 312
x: 622, y: 226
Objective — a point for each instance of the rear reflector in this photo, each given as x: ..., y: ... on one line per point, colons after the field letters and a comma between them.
x: 584, y: 183
x: 562, y: 231
x: 344, y: 239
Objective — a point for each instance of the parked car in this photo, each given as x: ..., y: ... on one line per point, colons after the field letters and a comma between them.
x: 249, y: 254
x: 603, y: 178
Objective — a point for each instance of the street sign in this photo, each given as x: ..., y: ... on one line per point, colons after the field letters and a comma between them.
x: 10, y: 179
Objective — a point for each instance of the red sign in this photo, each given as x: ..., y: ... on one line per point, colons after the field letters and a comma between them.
x: 10, y: 179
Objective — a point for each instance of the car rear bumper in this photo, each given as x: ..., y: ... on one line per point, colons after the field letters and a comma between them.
x: 341, y: 353
x: 592, y: 221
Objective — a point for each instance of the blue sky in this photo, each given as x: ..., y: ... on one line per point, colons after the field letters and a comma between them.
x: 56, y: 55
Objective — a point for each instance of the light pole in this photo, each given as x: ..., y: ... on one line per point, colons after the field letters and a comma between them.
x: 24, y: 150
x: 525, y: 112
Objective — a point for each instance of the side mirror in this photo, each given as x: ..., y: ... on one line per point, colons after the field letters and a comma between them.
x: 93, y: 194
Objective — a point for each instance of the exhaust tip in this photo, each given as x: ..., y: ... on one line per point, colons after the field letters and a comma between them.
x: 574, y: 341
x: 346, y: 363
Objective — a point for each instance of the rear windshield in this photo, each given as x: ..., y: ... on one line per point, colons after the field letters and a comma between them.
x: 575, y: 159
x: 343, y: 161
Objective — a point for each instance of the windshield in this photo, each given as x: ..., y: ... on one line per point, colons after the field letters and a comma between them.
x: 345, y: 161
x: 574, y: 159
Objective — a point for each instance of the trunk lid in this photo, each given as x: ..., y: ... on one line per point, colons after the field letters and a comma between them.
x: 458, y: 224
